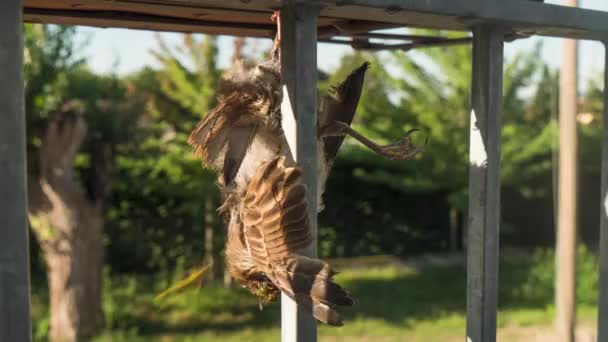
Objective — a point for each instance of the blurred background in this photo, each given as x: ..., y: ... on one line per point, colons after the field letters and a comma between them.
x: 113, y: 109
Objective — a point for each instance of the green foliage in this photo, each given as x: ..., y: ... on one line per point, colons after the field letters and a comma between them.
x: 160, y: 193
x: 49, y: 54
x: 409, y: 201
x: 189, y: 83
x: 438, y: 98
x: 394, y: 299
x: 534, y: 284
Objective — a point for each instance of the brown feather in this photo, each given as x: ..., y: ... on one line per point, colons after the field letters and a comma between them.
x: 276, y: 228
x: 238, y: 143
x: 211, y: 134
x: 341, y: 106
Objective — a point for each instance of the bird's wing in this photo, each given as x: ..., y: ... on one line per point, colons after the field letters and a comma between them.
x: 276, y: 227
x: 340, y: 105
x: 275, y: 212
x: 230, y: 128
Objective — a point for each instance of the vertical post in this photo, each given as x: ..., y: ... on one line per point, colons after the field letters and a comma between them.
x: 565, y: 251
x: 602, y: 320
x: 299, y: 110
x: 484, y: 183
x: 14, y: 251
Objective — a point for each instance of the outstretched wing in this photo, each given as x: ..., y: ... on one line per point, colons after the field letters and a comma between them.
x: 276, y: 227
x: 340, y: 105
x: 230, y: 128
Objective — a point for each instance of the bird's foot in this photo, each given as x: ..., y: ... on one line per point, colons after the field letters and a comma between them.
x: 402, y: 149
x: 276, y: 18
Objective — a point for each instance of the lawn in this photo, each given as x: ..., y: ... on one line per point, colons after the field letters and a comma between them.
x: 394, y: 301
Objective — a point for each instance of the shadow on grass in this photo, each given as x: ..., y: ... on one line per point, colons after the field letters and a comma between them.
x: 438, y: 291
x: 210, y: 309
x: 396, y: 296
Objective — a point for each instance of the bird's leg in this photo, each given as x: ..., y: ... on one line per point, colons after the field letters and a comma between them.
x: 402, y: 149
x: 276, y: 45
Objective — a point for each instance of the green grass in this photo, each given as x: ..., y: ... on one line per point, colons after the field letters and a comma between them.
x: 391, y: 302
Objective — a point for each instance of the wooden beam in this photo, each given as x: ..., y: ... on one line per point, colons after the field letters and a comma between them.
x: 602, y: 320
x: 367, y: 45
x: 520, y: 15
x: 104, y: 18
x: 299, y: 110
x: 484, y: 183
x: 14, y: 249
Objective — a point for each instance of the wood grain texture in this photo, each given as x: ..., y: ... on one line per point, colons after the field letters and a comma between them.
x: 484, y: 184
x: 520, y: 15
x: 14, y: 250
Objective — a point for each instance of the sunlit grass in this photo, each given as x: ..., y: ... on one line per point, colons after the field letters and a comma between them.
x: 392, y: 302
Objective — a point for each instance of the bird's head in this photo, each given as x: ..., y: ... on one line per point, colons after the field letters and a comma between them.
x: 262, y: 288
x: 244, y: 271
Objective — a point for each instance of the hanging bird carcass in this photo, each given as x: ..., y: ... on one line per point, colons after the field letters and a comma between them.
x: 264, y: 194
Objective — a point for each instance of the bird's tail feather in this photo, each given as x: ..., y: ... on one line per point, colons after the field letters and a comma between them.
x: 310, y: 283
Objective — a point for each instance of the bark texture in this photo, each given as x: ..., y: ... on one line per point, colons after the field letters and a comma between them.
x: 68, y: 225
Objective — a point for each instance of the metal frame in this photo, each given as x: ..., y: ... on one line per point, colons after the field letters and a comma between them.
x: 490, y: 20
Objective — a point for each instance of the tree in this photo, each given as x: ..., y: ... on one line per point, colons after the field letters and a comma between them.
x: 188, y: 80
x: 72, y: 125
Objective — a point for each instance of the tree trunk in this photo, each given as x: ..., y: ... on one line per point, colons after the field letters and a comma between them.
x: 454, y: 244
x: 68, y: 226
x: 209, y: 250
x: 565, y: 256
x: 227, y: 278
x: 74, y: 274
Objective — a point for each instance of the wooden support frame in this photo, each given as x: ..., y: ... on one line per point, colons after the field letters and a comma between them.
x: 299, y: 111
x: 520, y: 15
x: 490, y: 19
x: 484, y: 183
x: 14, y: 249
x: 602, y: 320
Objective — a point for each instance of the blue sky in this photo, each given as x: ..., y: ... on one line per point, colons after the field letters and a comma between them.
x: 125, y: 51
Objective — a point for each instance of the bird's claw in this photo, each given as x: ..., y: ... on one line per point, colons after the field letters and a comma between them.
x: 403, y: 149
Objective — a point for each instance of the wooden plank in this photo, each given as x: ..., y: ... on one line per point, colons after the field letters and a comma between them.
x: 160, y: 16
x: 520, y: 15
x: 484, y: 183
x: 299, y: 110
x: 173, y: 9
x: 603, y: 245
x: 176, y: 10
x: 147, y: 22
x: 14, y: 249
